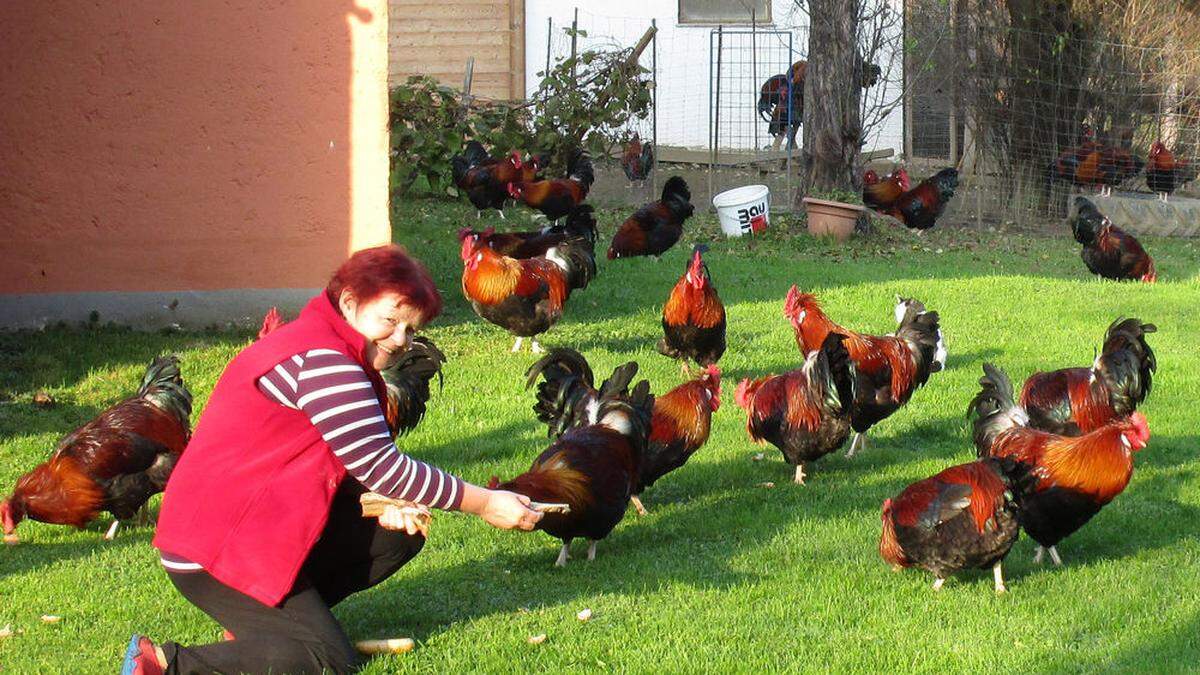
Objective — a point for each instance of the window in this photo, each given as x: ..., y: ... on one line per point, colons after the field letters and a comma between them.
x: 724, y: 11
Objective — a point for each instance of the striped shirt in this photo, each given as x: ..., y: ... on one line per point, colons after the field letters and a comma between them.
x: 336, y: 395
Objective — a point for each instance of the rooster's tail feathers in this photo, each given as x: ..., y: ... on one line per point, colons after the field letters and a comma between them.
x: 838, y: 372
x: 994, y: 408
x: 565, y: 390
x: 163, y: 386
x: 408, y: 383
x: 1127, y: 363
x: 472, y: 155
x: 579, y: 169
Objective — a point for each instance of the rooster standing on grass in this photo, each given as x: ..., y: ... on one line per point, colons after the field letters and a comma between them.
x: 559, y: 197
x: 693, y: 319
x: 1108, y: 250
x: 114, y: 463
x: 653, y: 229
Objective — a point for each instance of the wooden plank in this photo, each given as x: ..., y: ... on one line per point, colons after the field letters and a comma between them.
x: 444, y: 40
x: 460, y: 12
x: 441, y: 26
x: 516, y: 57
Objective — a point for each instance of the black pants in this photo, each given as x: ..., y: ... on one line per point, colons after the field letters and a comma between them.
x: 300, y: 635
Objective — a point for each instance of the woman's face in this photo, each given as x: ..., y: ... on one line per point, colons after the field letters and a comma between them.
x: 387, y: 322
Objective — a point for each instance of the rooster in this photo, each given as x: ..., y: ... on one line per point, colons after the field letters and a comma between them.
x: 1164, y: 173
x: 637, y: 159
x: 1108, y: 250
x: 693, y: 319
x: 593, y: 466
x: 580, y: 223
x: 525, y: 297
x: 407, y: 383
x: 920, y: 207
x: 805, y: 413
x: 889, y: 368
x: 1076, y: 476
x: 114, y: 463
x: 880, y: 194
x: 559, y: 197
x: 679, y: 426
x: 654, y: 228
x: 1066, y: 165
x: 485, y: 179
x: 1075, y: 401
x: 964, y: 517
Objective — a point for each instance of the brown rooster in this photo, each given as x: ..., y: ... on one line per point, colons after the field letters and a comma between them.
x: 680, y: 424
x: 881, y: 193
x: 1108, y: 250
x: 654, y: 228
x: 485, y: 179
x: 920, y: 207
x: 525, y: 297
x: 113, y: 463
x: 593, y: 466
x: 559, y: 197
x: 1076, y: 476
x: 889, y: 368
x: 534, y: 244
x: 806, y: 412
x: 637, y: 158
x: 693, y: 319
x: 1164, y: 173
x: 1074, y: 401
x: 964, y: 517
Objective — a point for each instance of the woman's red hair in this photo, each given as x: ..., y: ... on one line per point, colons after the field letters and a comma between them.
x: 372, y: 272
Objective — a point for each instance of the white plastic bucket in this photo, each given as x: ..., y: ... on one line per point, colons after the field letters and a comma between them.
x: 743, y: 210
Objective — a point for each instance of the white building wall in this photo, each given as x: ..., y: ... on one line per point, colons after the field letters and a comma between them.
x: 684, y: 69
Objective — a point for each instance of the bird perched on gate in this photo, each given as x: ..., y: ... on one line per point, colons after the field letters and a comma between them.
x: 1164, y: 173
x: 525, y: 297
x: 637, y: 158
x: 654, y: 228
x: 679, y: 426
x: 558, y: 197
x: 593, y: 466
x: 693, y: 318
x: 964, y: 517
x: 1074, y: 401
x: 806, y: 413
x: 920, y: 207
x: 1076, y: 476
x: 1108, y: 250
x: 485, y: 179
x: 580, y: 223
x: 114, y: 463
x: 889, y: 368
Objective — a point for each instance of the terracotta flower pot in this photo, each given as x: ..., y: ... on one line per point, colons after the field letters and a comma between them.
x: 835, y: 218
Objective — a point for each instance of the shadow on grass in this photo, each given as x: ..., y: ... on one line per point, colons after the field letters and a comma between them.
x: 32, y: 556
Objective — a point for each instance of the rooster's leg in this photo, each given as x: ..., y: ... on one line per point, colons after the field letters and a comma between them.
x: 1037, y: 555
x: 112, y: 530
x: 1054, y: 555
x: 591, y: 549
x: 564, y: 554
x: 799, y: 477
x: 517, y: 345
x: 478, y: 215
x: 637, y: 504
x: 499, y: 211
x: 685, y: 368
x: 859, y: 443
x: 937, y: 583
x: 535, y: 347
x: 998, y: 575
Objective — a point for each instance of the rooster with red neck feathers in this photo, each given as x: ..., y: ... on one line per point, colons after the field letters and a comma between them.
x: 881, y: 193
x: 693, y: 319
x: 1108, y: 250
x: 1076, y: 476
x: 889, y: 368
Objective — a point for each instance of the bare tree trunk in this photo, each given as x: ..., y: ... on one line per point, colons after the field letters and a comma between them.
x: 832, y: 93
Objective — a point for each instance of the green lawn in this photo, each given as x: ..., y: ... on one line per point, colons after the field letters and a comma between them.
x: 723, y: 574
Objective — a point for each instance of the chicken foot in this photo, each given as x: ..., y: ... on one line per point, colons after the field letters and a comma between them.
x: 859, y: 443
x: 937, y: 583
x: 1041, y: 550
x: 637, y: 505
x: 112, y: 530
x: 998, y: 576
x: 592, y: 549
x: 564, y: 554
x: 799, y: 477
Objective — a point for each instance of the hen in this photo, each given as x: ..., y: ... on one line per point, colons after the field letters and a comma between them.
x: 1074, y: 401
x: 806, y: 412
x: 693, y: 318
x: 637, y: 159
x: 559, y: 197
x: 654, y: 228
x: 525, y: 297
x: 1076, y: 476
x: 964, y: 517
x: 920, y: 207
x: 593, y: 467
x: 580, y: 223
x: 1164, y: 173
x: 889, y: 368
x: 114, y: 463
x: 680, y: 424
x: 1108, y: 250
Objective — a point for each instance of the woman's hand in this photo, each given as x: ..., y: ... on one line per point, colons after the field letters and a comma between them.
x: 410, y: 519
x: 509, y: 511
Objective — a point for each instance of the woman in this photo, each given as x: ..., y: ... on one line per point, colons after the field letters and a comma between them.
x: 260, y: 524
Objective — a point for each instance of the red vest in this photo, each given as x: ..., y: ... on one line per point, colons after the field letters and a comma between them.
x: 251, y: 493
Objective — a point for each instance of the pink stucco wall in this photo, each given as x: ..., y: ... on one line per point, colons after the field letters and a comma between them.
x: 151, y: 146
